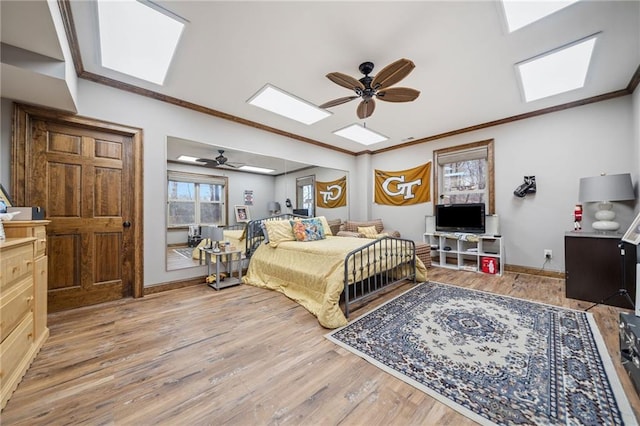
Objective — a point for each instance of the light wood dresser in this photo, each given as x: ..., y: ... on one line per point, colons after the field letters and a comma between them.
x: 23, y: 300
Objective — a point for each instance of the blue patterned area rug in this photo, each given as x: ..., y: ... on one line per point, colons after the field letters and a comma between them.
x: 495, y: 359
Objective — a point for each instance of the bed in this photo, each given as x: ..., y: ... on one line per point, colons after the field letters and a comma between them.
x: 329, y: 275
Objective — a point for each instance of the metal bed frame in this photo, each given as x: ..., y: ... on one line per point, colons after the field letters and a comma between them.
x: 368, y: 270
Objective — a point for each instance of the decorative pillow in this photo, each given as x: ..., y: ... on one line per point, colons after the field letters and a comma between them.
x: 368, y: 231
x: 278, y: 231
x: 307, y: 229
x: 334, y: 226
x: 352, y: 226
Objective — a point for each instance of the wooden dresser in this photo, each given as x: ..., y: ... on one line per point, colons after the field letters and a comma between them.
x: 23, y: 300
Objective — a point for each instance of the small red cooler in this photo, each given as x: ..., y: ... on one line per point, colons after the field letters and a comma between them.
x: 489, y: 265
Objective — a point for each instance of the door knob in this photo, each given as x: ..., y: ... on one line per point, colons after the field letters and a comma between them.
x: 126, y: 224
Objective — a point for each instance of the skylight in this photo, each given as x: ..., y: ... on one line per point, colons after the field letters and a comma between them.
x: 256, y: 169
x: 360, y: 134
x: 280, y: 102
x: 137, y: 39
x: 556, y: 72
x: 521, y: 13
x: 190, y: 159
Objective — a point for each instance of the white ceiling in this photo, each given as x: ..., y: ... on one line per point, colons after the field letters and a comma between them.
x: 463, y: 54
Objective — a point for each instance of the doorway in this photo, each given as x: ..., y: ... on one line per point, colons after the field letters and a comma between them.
x: 87, y: 175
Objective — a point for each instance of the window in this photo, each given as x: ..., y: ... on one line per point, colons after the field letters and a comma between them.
x: 194, y: 199
x: 464, y: 174
x: 305, y: 193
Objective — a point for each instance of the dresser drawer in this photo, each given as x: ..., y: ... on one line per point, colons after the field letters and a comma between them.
x: 15, y: 264
x: 40, y: 233
x: 13, y: 350
x: 14, y: 305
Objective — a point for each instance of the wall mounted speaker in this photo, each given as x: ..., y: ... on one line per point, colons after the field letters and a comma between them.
x: 492, y: 224
x: 430, y: 224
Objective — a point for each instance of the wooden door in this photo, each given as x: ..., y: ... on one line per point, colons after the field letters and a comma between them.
x: 85, y: 177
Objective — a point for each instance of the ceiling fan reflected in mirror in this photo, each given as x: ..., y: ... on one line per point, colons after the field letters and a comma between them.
x: 220, y: 161
x: 375, y: 87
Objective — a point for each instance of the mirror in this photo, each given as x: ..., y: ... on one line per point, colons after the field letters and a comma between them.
x: 209, y: 181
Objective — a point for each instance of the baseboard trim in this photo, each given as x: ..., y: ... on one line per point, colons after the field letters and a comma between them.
x: 534, y: 271
x: 173, y: 285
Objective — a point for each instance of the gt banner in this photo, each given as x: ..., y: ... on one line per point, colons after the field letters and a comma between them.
x: 404, y: 187
x: 330, y: 195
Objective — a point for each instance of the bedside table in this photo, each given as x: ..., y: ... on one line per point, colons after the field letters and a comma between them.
x: 232, y: 260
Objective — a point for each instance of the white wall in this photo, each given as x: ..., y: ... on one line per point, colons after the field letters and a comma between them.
x: 558, y: 149
x: 159, y: 119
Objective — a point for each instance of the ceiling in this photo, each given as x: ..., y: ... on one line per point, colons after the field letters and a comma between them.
x: 463, y: 54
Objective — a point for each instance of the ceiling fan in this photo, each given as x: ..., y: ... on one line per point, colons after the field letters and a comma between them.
x: 220, y: 161
x: 369, y: 87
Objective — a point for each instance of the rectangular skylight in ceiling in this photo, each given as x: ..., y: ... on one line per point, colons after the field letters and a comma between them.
x: 256, y: 169
x: 360, y: 134
x: 556, y: 72
x: 280, y: 102
x: 190, y: 159
x: 137, y: 39
x: 520, y: 13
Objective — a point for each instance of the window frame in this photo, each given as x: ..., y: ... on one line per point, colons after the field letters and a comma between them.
x: 198, y: 179
x: 308, y: 182
x: 460, y: 151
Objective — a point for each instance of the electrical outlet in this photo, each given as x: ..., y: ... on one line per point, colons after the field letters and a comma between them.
x: 548, y: 254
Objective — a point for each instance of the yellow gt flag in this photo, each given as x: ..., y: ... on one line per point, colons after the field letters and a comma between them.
x: 332, y: 194
x: 405, y: 187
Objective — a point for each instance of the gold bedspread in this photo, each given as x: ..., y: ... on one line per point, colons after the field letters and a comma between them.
x: 310, y: 273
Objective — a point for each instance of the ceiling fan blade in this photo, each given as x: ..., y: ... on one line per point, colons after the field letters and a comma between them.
x: 345, y: 80
x: 366, y: 108
x: 234, y: 165
x: 398, y: 94
x: 338, y: 101
x: 392, y: 73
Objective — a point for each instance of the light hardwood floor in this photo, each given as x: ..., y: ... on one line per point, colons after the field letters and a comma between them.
x: 243, y: 356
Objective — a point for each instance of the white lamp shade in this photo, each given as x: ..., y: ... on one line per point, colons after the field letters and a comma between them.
x: 273, y: 206
x: 213, y: 233
x: 603, y: 189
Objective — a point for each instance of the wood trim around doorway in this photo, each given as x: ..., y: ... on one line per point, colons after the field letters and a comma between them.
x: 22, y: 118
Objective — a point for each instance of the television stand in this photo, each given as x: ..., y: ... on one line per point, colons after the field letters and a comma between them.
x: 468, y: 252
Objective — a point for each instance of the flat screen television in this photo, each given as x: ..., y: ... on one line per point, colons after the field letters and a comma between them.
x: 466, y: 218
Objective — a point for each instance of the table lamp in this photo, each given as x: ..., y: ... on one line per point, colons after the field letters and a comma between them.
x: 604, y: 189
x: 217, y: 235
x: 273, y: 207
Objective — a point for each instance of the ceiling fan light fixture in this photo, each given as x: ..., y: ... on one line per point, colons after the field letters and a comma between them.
x: 370, y: 87
x: 358, y: 133
x: 280, y: 102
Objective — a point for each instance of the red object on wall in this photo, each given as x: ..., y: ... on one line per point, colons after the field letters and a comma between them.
x: 489, y: 265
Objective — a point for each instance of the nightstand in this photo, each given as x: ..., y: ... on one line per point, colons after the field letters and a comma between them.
x: 594, y: 265
x: 232, y: 260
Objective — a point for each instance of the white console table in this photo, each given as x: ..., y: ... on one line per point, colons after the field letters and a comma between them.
x: 467, y: 252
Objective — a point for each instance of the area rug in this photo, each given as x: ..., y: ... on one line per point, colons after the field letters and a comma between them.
x: 495, y: 359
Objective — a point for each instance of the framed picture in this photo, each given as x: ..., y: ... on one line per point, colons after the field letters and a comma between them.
x: 242, y: 214
x: 633, y: 233
x: 4, y: 196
